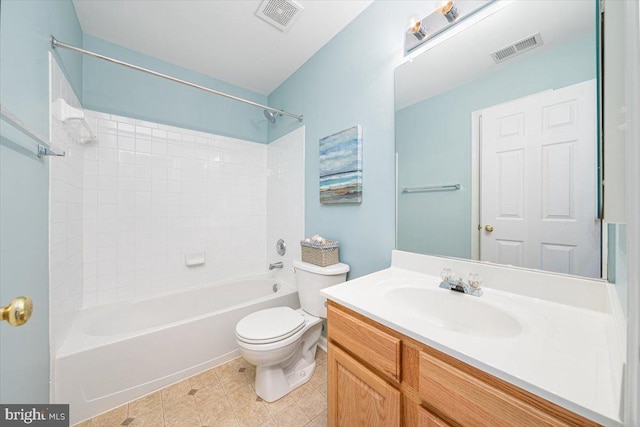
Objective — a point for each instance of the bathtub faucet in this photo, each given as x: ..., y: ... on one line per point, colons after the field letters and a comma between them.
x: 275, y: 265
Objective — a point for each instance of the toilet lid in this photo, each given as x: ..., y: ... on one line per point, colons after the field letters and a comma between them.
x: 270, y: 325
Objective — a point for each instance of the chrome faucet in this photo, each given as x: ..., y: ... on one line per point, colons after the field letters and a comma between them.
x: 471, y: 287
x: 275, y: 265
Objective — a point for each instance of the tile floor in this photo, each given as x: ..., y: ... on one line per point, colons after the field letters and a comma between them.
x: 224, y: 396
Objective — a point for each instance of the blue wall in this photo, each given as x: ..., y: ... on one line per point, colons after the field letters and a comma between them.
x: 433, y: 140
x: 25, y: 27
x: 347, y: 82
x: 115, y: 89
x: 24, y: 45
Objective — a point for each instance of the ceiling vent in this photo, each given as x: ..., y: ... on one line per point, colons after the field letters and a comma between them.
x: 279, y: 13
x: 517, y: 48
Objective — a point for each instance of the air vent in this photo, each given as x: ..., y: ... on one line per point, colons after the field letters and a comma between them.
x: 279, y: 13
x: 517, y: 48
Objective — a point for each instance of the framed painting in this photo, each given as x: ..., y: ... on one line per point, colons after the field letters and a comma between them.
x: 341, y: 167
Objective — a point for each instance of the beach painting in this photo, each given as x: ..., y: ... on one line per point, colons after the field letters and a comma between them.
x: 341, y: 167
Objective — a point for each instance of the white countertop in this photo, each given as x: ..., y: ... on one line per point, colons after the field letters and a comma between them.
x: 563, y: 353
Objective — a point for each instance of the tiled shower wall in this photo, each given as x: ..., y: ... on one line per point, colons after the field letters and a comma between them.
x: 65, y: 216
x: 285, y: 201
x: 153, y: 193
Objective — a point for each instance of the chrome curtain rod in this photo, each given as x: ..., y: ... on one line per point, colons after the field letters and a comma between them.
x: 55, y: 43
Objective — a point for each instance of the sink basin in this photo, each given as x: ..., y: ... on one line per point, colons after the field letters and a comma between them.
x: 454, y: 311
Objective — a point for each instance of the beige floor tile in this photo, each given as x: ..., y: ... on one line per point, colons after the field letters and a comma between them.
x: 322, y: 389
x: 313, y: 404
x: 209, y: 394
x: 150, y: 419
x: 185, y: 423
x: 232, y: 379
x: 319, y: 421
x: 291, y: 417
x: 302, y: 391
x: 321, y: 356
x: 224, y: 397
x: 242, y: 397
x: 252, y: 415
x: 205, y: 379
x: 113, y: 418
x: 250, y: 373
x: 182, y: 409
x: 280, y: 404
x: 176, y: 391
x: 213, y: 411
x: 149, y: 403
x: 233, y: 365
x: 86, y: 423
x: 319, y: 375
x: 225, y: 422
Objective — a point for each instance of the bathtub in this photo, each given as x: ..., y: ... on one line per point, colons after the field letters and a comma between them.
x: 120, y: 352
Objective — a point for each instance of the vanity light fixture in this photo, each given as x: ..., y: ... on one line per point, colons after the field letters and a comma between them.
x: 418, y: 31
x: 449, y: 10
x: 453, y: 11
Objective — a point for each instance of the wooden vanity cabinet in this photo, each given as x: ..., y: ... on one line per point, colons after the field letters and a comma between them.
x: 428, y: 419
x: 360, y: 397
x: 379, y: 377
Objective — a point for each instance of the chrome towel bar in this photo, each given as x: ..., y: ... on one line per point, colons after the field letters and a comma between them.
x: 448, y: 187
x: 9, y: 121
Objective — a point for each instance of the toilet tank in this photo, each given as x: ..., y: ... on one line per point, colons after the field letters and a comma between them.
x: 311, y: 278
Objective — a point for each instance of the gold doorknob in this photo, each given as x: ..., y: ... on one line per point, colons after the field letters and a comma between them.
x: 488, y: 228
x: 18, y: 312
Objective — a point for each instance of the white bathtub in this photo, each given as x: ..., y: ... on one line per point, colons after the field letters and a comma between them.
x: 122, y: 351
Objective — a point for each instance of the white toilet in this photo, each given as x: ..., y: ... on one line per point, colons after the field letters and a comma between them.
x: 281, y: 341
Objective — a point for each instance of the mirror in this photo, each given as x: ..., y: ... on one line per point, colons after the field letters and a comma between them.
x: 496, y: 140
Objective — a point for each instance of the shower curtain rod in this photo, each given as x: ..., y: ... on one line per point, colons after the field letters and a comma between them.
x: 55, y: 43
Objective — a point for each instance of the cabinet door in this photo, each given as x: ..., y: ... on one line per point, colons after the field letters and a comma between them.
x: 357, y: 396
x: 427, y: 419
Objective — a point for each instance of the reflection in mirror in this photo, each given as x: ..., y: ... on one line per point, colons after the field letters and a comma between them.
x: 507, y: 110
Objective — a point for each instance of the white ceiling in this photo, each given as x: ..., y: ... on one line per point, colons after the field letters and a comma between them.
x: 449, y: 62
x: 220, y: 38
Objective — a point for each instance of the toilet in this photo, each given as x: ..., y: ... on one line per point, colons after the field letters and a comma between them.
x: 281, y: 342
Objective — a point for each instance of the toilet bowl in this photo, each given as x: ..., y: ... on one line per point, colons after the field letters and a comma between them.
x: 281, y: 342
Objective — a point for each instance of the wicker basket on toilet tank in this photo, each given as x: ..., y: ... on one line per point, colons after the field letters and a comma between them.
x: 322, y: 254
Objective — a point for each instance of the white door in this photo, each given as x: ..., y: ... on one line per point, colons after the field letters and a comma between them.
x: 538, y: 182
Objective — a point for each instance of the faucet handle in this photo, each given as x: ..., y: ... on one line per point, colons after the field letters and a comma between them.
x: 475, y: 280
x: 446, y: 274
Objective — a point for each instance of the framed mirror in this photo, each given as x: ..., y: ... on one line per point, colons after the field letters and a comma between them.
x: 497, y: 143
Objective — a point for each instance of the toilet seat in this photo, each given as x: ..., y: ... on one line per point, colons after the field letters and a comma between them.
x: 270, y: 325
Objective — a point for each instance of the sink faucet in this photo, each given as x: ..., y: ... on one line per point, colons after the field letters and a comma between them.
x: 275, y: 265
x: 471, y: 287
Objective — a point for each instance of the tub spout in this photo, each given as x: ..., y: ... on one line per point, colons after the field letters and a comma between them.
x: 275, y: 265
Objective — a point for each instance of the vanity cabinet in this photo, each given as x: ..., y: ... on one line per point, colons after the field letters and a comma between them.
x: 360, y: 397
x: 379, y: 377
x: 428, y: 419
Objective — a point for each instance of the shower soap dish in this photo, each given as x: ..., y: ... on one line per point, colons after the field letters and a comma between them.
x: 322, y: 254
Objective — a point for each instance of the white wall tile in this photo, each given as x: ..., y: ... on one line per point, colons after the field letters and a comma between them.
x: 285, y: 201
x: 131, y: 204
x: 155, y: 192
x: 65, y: 217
